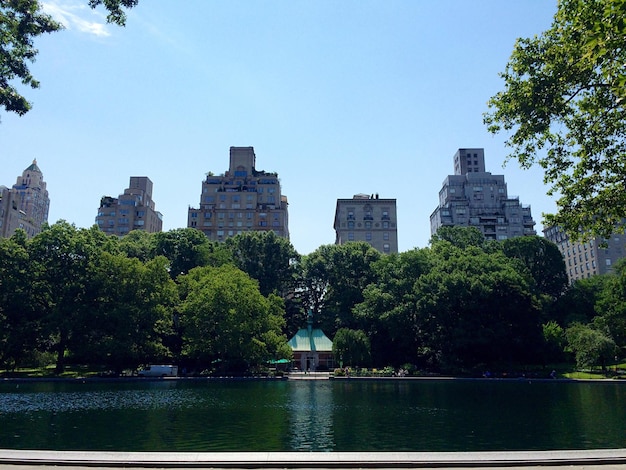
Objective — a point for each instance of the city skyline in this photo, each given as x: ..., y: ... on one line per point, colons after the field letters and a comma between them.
x: 339, y: 99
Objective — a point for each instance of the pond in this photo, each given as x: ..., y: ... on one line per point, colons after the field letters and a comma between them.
x: 328, y: 415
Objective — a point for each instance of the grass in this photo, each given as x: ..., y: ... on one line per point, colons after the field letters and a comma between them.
x: 71, y: 371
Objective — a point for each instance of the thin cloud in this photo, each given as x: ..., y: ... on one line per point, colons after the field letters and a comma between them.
x: 77, y: 17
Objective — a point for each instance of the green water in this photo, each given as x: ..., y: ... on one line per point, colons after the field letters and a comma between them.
x: 341, y: 415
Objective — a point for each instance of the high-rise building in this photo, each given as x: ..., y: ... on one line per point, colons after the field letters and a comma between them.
x: 369, y: 219
x: 585, y: 259
x: 133, y: 210
x: 243, y: 199
x: 474, y: 197
x: 26, y: 204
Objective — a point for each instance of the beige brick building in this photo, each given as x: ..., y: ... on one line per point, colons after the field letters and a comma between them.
x: 132, y: 210
x: 582, y: 260
x: 369, y: 219
x: 25, y: 205
x: 243, y: 199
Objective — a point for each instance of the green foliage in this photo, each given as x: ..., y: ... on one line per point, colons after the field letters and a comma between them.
x: 590, y: 346
x: 388, y: 311
x: 555, y: 340
x: 130, y: 312
x: 461, y: 237
x: 544, y: 262
x: 351, y: 347
x: 334, y: 279
x: 225, y: 318
x: 475, y: 308
x: 18, y: 317
x: 266, y: 257
x: 185, y: 248
x: 578, y: 303
x: 611, y: 305
x: 21, y: 21
x: 563, y: 105
x: 115, y: 9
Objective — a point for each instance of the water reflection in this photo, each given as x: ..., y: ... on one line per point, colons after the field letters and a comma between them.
x: 311, y: 416
x: 345, y: 415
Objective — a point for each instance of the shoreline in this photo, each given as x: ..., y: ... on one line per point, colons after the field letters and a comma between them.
x: 303, y: 376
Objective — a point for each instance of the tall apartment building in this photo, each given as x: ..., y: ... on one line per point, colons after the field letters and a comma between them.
x: 26, y: 204
x: 474, y: 197
x: 243, y: 199
x: 133, y: 210
x: 369, y: 219
x: 582, y: 260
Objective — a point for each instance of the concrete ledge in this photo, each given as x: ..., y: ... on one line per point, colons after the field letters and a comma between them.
x: 249, y: 460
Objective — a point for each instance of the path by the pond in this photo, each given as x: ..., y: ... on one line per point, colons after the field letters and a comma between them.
x: 603, y: 459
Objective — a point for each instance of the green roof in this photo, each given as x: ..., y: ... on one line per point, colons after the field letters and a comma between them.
x: 316, y: 340
x: 33, y: 167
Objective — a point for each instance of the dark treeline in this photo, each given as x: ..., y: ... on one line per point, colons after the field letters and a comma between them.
x: 462, y: 304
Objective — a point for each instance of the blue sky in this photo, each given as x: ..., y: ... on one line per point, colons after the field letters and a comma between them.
x: 337, y: 97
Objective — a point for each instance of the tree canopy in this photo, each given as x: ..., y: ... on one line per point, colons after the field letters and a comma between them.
x: 21, y: 22
x: 563, y: 107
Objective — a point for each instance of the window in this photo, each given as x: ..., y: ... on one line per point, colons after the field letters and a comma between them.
x: 386, y: 247
x: 608, y: 261
x: 351, y: 236
x: 385, y: 224
x: 350, y: 223
x: 385, y: 235
x: 368, y: 236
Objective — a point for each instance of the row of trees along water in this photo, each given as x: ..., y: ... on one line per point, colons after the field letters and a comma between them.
x: 462, y: 303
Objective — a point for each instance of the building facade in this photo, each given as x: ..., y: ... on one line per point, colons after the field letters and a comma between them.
x: 243, y: 199
x: 368, y: 219
x: 312, y: 349
x: 26, y: 204
x: 473, y: 197
x: 132, y: 210
x: 583, y: 260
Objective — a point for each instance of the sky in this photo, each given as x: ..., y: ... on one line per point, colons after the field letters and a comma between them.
x: 337, y: 97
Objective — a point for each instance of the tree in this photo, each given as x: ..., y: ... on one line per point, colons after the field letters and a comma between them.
x: 611, y: 305
x: 351, y: 347
x: 461, y: 237
x: 225, y: 318
x: 21, y: 21
x: 60, y: 258
x: 334, y: 279
x: 544, y: 262
x: 563, y: 103
x: 590, y: 346
x: 185, y: 248
x: 388, y: 311
x: 475, y: 308
x: 115, y: 9
x: 19, y: 319
x: 266, y: 257
x: 578, y: 303
x: 130, y: 312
